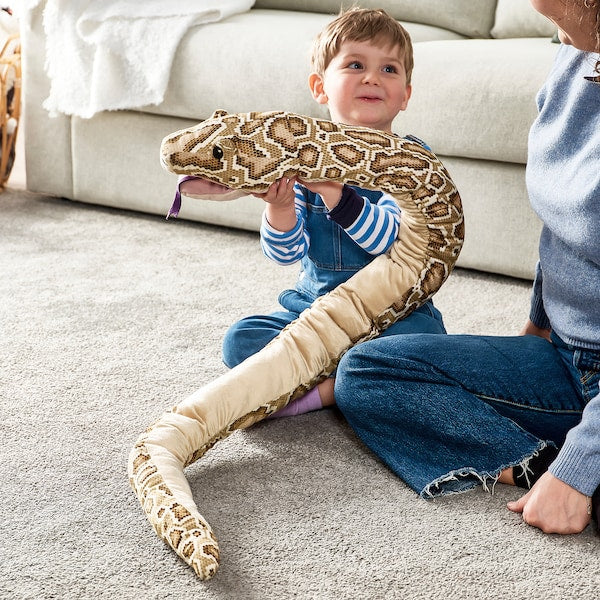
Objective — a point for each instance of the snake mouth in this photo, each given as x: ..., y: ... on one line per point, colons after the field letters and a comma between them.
x: 204, y: 189
x: 197, y: 187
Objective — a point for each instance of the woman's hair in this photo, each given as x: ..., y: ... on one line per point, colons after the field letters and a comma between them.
x: 361, y: 25
x: 596, y: 5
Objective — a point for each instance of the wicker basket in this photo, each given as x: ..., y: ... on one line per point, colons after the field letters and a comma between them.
x: 10, y: 104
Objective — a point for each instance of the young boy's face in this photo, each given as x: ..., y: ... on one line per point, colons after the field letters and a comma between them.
x: 363, y: 85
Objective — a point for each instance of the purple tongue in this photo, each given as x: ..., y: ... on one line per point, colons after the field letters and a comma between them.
x: 176, y: 206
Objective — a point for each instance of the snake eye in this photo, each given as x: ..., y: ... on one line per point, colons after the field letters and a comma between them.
x: 217, y: 152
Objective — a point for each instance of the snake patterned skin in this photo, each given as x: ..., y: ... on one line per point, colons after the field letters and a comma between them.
x: 246, y: 153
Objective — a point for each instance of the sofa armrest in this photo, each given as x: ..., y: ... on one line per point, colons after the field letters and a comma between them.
x: 48, y: 156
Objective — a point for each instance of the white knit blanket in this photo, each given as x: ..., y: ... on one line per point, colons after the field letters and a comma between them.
x: 117, y: 54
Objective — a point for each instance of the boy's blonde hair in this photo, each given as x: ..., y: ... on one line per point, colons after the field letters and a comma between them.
x: 361, y: 25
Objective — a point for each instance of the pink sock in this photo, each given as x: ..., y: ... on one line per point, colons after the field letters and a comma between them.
x: 310, y: 401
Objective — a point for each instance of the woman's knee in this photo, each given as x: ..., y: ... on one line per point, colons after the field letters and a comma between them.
x: 372, y: 368
x: 354, y: 374
x: 344, y: 381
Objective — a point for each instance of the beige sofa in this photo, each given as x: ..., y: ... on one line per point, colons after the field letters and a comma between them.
x: 478, y: 66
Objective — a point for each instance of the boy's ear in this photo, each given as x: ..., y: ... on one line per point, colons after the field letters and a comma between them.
x: 408, y: 93
x: 315, y: 83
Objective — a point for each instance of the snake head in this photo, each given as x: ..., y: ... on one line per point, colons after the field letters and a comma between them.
x: 243, y: 151
x: 205, y: 150
x: 230, y: 155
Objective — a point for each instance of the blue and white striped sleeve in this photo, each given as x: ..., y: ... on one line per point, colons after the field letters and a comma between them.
x: 374, y: 227
x: 286, y: 247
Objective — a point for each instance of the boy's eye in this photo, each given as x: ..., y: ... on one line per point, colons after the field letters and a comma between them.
x: 390, y: 69
x: 355, y: 65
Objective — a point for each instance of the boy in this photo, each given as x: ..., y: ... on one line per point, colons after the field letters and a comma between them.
x: 362, y: 64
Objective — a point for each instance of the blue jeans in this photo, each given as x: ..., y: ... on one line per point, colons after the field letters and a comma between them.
x: 447, y: 413
x: 248, y: 336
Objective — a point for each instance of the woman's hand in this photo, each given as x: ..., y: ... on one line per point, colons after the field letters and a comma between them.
x: 531, y: 329
x: 553, y: 506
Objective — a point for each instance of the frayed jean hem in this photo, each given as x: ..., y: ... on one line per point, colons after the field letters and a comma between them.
x: 467, y: 478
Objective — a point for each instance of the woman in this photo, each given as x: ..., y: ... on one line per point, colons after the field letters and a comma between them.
x: 447, y: 413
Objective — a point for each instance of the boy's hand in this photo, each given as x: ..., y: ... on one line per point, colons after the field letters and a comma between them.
x: 553, y: 506
x: 281, y: 209
x: 280, y: 193
x: 330, y: 191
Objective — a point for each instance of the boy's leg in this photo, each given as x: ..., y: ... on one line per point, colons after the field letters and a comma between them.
x: 307, y: 403
x: 426, y: 319
x: 446, y: 413
x: 251, y: 334
x: 248, y: 336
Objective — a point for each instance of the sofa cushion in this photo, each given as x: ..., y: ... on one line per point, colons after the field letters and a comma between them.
x: 516, y: 18
x: 473, y: 19
x: 483, y: 102
x: 258, y: 60
x: 488, y: 104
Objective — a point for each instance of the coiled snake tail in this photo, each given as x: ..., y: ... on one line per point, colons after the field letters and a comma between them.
x: 247, y: 152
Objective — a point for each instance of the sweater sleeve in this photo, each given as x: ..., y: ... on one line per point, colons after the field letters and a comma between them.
x: 286, y: 247
x: 374, y: 227
x: 578, y: 462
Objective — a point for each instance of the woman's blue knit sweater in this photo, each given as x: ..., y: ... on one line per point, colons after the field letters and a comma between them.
x: 563, y: 180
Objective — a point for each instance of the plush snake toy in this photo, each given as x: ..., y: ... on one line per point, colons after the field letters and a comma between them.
x: 245, y: 153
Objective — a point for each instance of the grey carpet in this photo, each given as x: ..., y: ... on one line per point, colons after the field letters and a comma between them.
x: 107, y: 319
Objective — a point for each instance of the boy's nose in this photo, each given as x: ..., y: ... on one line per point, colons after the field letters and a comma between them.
x: 371, y: 77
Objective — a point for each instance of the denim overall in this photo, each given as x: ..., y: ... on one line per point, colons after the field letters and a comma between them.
x: 332, y: 258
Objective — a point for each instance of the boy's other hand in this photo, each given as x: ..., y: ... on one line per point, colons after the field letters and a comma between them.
x: 330, y: 191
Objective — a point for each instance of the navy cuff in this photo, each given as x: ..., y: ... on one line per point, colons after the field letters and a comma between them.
x: 348, y: 209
